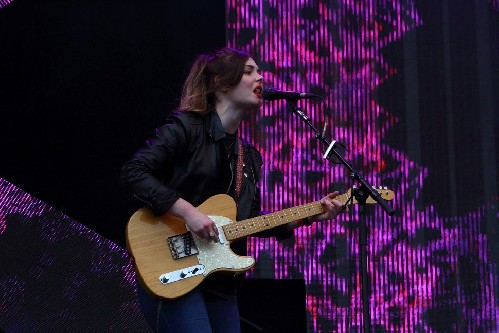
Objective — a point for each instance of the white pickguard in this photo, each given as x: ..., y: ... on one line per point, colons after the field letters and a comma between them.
x: 219, y: 255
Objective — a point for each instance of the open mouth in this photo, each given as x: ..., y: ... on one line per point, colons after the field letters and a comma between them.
x: 258, y: 91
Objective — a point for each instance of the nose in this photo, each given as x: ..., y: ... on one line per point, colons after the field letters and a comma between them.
x: 260, y: 79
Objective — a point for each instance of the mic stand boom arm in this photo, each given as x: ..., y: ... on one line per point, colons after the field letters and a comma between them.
x: 365, y: 187
x: 361, y: 193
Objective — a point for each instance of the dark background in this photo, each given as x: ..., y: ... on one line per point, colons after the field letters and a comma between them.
x: 82, y: 84
x: 445, y: 97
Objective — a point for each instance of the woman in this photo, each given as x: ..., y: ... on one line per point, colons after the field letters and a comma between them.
x: 194, y: 156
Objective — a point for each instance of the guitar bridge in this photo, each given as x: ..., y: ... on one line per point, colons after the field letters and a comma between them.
x: 182, y: 245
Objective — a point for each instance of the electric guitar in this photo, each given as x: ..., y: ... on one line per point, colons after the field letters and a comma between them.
x: 171, y: 261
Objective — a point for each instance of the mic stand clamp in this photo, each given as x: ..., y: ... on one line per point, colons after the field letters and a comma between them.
x: 296, y: 110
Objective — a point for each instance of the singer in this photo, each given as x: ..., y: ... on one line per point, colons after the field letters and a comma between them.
x: 198, y: 154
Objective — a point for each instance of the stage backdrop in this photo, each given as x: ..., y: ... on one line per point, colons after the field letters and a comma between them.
x: 57, y: 275
x: 410, y: 88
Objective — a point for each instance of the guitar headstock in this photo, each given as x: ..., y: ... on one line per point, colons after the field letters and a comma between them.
x: 382, y: 190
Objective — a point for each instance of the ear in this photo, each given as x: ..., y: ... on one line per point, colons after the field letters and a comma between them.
x: 224, y: 89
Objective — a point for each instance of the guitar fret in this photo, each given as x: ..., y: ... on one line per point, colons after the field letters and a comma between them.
x: 265, y: 222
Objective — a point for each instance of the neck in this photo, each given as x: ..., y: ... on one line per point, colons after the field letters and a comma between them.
x: 230, y: 118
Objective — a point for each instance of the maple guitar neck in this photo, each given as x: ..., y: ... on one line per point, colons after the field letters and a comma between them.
x: 254, y: 225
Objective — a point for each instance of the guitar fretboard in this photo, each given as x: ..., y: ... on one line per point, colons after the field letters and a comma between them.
x: 254, y: 225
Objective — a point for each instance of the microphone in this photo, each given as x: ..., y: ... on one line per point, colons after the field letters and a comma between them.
x: 273, y: 94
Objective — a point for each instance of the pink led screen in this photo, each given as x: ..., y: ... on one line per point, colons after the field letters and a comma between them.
x: 59, y: 276
x: 4, y: 2
x: 417, y: 257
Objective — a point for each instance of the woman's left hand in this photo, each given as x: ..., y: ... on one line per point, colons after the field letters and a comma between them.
x: 334, y: 208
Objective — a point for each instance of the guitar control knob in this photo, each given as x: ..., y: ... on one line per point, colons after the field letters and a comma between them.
x: 165, y: 278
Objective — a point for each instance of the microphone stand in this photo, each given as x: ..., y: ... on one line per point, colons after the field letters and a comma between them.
x: 360, y: 193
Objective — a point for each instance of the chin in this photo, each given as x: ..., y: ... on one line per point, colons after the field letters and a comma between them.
x: 253, y: 106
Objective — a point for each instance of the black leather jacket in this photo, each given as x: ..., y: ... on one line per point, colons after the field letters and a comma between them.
x: 184, y: 159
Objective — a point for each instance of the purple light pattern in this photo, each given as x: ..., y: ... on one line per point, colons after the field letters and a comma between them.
x: 4, y: 3
x: 57, y: 273
x: 333, y: 49
x: 14, y: 200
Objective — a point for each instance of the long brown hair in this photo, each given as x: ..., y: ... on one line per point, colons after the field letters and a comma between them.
x: 210, y: 73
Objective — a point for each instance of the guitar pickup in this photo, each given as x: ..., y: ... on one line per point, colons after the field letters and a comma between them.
x: 182, y: 245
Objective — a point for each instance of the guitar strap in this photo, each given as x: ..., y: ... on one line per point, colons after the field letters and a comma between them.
x: 239, y: 169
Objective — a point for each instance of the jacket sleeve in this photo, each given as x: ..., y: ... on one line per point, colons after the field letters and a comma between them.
x: 142, y: 175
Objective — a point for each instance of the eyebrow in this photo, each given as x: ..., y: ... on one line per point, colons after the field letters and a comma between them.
x: 252, y: 67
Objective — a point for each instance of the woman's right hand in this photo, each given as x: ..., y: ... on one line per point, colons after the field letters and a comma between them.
x: 198, y: 222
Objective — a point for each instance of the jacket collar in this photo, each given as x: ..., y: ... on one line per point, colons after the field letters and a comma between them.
x: 216, y: 130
